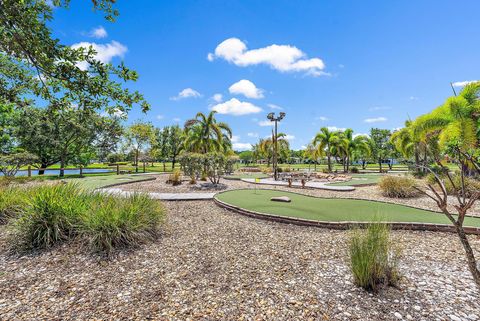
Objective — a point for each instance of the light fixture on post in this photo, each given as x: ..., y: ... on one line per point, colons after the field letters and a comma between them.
x: 271, y: 117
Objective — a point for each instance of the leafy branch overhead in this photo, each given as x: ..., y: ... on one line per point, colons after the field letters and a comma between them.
x: 34, y: 62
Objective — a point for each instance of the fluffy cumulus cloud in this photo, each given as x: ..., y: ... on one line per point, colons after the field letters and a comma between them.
x: 375, y: 120
x: 289, y: 137
x: 187, y: 93
x: 104, y: 52
x: 241, y: 146
x: 335, y: 128
x: 235, y: 139
x: 284, y: 58
x: 236, y: 107
x: 98, y: 33
x: 217, y: 98
x: 247, y: 88
x: 255, y: 135
x: 463, y: 83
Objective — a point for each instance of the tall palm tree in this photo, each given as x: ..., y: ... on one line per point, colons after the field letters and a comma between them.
x: 326, y: 140
x: 352, y: 145
x: 455, y: 122
x: 266, y: 147
x: 314, y: 153
x: 204, y: 134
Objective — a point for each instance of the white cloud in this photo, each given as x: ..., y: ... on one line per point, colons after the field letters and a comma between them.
x: 247, y: 88
x: 360, y: 134
x: 160, y: 117
x: 241, y: 146
x: 375, y: 120
x: 303, y: 147
x: 236, y: 107
x: 217, y: 98
x: 376, y: 108
x: 255, y: 135
x: 273, y: 106
x: 187, y: 93
x: 322, y: 118
x: 235, y: 139
x: 104, y: 52
x: 289, y: 137
x: 177, y: 120
x: 284, y: 58
x: 265, y: 123
x: 463, y: 83
x: 98, y: 33
x: 335, y: 128
x: 413, y: 98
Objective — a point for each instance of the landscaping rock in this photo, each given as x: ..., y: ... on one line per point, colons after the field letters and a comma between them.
x: 284, y: 199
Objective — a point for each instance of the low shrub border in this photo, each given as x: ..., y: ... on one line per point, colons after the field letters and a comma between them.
x: 346, y: 225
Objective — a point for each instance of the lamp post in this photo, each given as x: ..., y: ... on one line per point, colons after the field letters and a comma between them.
x: 271, y: 117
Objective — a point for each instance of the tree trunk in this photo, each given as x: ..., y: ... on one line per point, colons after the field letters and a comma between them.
x: 472, y: 264
x: 380, y: 164
x: 329, y: 162
x: 136, y: 160
x: 41, y: 171
x: 173, y: 163
x: 364, y: 164
x: 62, y: 167
x: 164, y: 166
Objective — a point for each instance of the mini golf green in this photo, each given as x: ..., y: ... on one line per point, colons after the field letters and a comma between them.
x: 331, y: 209
x: 246, y: 175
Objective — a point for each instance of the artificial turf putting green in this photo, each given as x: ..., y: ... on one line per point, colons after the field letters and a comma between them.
x: 93, y: 182
x: 246, y: 175
x: 330, y: 209
x: 360, y: 179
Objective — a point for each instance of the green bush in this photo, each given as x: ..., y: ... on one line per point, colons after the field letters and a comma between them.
x: 471, y: 185
x: 12, y: 201
x: 175, y: 178
x: 50, y: 216
x: 398, y: 186
x: 113, y: 223
x: 354, y: 170
x: 373, y: 258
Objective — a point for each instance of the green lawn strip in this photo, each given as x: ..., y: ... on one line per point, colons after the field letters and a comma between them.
x: 249, y: 175
x: 334, y: 210
x: 93, y: 182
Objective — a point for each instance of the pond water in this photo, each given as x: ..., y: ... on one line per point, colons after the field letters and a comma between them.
x: 67, y: 171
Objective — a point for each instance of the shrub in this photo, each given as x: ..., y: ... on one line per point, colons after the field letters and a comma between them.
x: 354, y: 170
x: 113, y: 223
x: 397, y: 186
x: 471, y: 184
x: 10, y: 164
x: 175, y: 178
x: 373, y: 258
x: 325, y: 171
x: 50, y: 216
x: 11, y: 202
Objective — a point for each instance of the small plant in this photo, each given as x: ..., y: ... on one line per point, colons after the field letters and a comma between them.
x: 11, y: 202
x: 50, y: 216
x: 373, y: 258
x: 325, y: 171
x: 354, y: 170
x: 397, y: 186
x: 175, y: 178
x: 114, y: 223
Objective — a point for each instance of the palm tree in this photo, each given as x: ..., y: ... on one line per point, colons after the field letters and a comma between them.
x: 456, y: 122
x: 204, y: 134
x: 326, y: 140
x: 352, y: 145
x: 266, y: 147
x: 314, y: 153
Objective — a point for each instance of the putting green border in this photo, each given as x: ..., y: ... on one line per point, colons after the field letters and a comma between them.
x: 344, y: 225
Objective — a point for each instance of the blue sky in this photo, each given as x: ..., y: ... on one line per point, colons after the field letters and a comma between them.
x: 357, y: 64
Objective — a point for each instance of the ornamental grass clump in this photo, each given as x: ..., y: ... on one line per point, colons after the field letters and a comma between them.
x: 12, y: 201
x: 373, y: 258
x: 397, y: 186
x: 113, y: 223
x: 49, y: 216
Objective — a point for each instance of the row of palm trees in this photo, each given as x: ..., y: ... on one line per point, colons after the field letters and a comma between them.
x: 265, y: 148
x: 343, y: 146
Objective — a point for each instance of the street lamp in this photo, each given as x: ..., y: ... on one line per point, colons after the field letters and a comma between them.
x: 271, y: 117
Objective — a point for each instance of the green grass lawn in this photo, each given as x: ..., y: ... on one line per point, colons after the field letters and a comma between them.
x: 336, y: 210
x: 360, y: 179
x: 92, y: 182
x: 246, y: 175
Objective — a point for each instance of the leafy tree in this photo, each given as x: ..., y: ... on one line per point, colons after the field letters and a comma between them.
x: 175, y: 141
x: 56, y: 136
x: 267, y: 149
x: 381, y: 146
x: 326, y: 140
x: 204, y: 134
x: 313, y: 153
x: 35, y: 64
x: 10, y: 164
x: 246, y: 156
x: 6, y: 128
x: 353, y: 146
x: 108, y: 138
x: 139, y: 136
